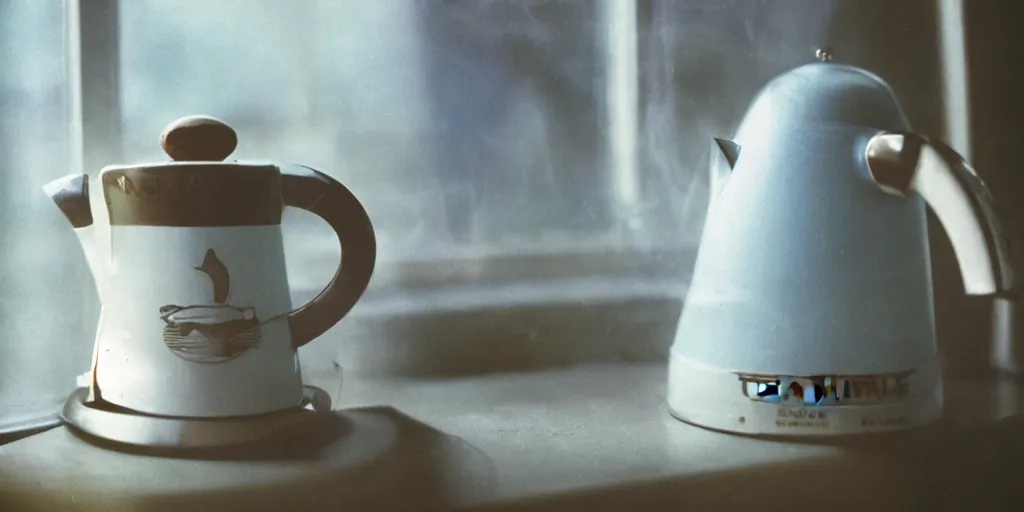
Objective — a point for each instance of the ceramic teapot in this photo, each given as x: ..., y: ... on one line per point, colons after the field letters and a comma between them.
x: 810, y: 310
x: 188, y: 261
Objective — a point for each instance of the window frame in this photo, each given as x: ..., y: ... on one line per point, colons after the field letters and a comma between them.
x: 93, y: 53
x: 93, y: 57
x: 93, y: 34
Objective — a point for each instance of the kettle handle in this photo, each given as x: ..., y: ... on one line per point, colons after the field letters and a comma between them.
x: 901, y: 163
x: 311, y: 190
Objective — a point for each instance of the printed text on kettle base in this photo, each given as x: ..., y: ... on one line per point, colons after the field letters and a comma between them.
x: 799, y: 418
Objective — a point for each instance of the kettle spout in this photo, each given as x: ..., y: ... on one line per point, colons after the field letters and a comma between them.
x: 724, y: 154
x: 71, y: 195
x: 904, y: 163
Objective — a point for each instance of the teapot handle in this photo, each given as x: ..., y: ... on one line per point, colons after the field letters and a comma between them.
x: 311, y: 190
x: 901, y: 163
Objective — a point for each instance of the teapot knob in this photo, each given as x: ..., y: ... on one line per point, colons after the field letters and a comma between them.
x: 198, y: 138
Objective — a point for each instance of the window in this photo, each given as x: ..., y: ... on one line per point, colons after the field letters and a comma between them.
x: 472, y: 130
x: 46, y: 297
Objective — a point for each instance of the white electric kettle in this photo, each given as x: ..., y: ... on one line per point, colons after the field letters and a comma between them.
x: 810, y: 308
x: 188, y: 259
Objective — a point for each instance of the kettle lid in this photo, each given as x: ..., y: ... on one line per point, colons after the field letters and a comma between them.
x: 823, y: 93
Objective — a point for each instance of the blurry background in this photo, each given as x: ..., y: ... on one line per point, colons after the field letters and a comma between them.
x: 507, y: 150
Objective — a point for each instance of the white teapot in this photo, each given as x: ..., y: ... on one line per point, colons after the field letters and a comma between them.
x: 188, y: 260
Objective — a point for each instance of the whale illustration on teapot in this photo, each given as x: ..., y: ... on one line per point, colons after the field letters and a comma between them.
x: 211, y: 333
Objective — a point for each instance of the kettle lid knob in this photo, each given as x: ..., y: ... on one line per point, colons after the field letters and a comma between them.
x: 198, y: 138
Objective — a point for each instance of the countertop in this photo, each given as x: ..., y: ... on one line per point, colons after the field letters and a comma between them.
x: 585, y: 437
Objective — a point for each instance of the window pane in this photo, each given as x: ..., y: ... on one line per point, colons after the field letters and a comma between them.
x: 469, y: 128
x: 48, y: 308
x: 497, y: 126
x: 466, y: 127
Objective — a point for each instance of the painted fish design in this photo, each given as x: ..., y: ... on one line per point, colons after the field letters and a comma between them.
x: 211, y: 333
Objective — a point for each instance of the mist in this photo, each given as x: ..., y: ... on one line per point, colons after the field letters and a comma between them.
x: 469, y: 128
x: 469, y: 125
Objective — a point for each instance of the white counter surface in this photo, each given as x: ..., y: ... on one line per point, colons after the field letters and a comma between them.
x: 577, y: 438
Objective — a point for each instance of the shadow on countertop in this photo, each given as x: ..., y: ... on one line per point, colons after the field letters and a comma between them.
x: 373, y: 458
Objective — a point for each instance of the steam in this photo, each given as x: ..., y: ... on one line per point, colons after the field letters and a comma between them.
x: 472, y: 123
x: 701, y: 63
x: 469, y: 124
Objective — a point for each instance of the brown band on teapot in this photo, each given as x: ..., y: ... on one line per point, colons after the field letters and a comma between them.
x: 193, y: 195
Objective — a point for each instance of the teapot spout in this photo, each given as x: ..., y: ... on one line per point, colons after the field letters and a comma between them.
x: 71, y: 195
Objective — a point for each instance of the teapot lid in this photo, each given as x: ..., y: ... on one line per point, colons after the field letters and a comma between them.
x: 192, y: 189
x: 823, y: 93
x: 198, y: 138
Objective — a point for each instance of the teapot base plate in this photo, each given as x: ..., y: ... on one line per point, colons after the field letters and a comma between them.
x: 127, y: 427
x: 19, y: 429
